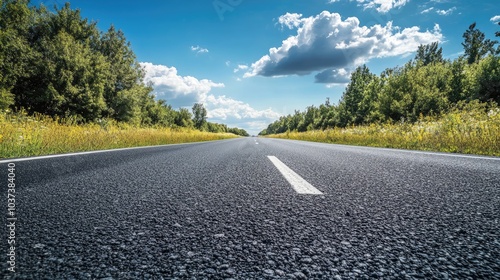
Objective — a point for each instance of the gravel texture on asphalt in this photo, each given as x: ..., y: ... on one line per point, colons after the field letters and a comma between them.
x: 221, y: 210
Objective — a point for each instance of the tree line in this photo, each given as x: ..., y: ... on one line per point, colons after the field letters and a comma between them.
x: 60, y: 64
x: 427, y: 85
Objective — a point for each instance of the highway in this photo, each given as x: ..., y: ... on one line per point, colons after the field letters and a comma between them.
x: 254, y: 208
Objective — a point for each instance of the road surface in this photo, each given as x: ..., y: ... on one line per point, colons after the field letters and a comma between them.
x: 254, y: 208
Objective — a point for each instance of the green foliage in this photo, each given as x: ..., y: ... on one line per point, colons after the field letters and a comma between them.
x: 6, y: 99
x: 352, y: 112
x: 427, y: 86
x: 59, y: 64
x: 468, y: 128
x: 183, y: 118
x: 475, y: 45
x: 488, y: 79
x: 199, y: 116
x: 238, y: 131
x: 427, y: 54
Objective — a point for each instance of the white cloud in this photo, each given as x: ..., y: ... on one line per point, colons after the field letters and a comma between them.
x: 427, y: 10
x: 382, y: 6
x: 446, y: 12
x: 199, y: 49
x: 290, y: 20
x: 326, y: 42
x: 495, y: 19
x: 235, y: 113
x: 222, y: 107
x: 168, y: 84
x: 184, y: 91
x: 240, y: 67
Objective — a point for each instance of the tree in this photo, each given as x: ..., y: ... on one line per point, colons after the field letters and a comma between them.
x: 199, y: 116
x: 427, y: 54
x: 475, y: 45
x: 183, y: 118
x: 16, y: 18
x: 124, y: 75
x: 488, y: 79
x: 351, y: 112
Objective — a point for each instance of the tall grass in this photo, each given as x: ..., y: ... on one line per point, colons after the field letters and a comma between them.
x: 22, y: 135
x: 467, y: 130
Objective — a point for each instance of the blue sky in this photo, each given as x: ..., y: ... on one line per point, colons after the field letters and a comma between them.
x: 251, y: 61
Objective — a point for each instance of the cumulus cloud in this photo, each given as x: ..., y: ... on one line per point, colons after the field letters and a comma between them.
x: 334, y: 76
x: 495, y: 19
x: 427, y: 10
x: 199, y: 49
x: 169, y: 85
x: 241, y: 67
x: 222, y: 107
x: 326, y: 42
x: 290, y: 20
x: 235, y: 113
x: 184, y: 91
x: 446, y: 12
x: 383, y: 6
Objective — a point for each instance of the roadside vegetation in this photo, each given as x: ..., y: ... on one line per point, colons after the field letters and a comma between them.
x: 22, y: 135
x: 430, y: 103
x: 471, y: 130
x: 66, y: 86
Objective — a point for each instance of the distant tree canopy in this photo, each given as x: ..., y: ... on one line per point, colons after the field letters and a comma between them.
x: 59, y: 64
x: 427, y: 85
x: 200, y: 116
x: 475, y: 45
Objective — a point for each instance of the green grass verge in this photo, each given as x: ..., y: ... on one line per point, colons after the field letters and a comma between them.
x: 24, y: 136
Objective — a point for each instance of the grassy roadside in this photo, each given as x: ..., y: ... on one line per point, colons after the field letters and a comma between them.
x: 23, y: 136
x: 461, y: 131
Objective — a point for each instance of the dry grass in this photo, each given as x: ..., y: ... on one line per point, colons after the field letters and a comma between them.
x: 471, y: 131
x: 23, y: 136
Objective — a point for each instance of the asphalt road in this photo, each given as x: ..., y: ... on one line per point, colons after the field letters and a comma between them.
x: 223, y: 209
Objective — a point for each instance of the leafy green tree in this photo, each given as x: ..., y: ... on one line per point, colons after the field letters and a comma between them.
x: 458, y: 80
x: 68, y: 82
x: 488, y: 79
x: 475, y: 45
x: 239, y: 131
x: 427, y: 54
x: 369, y: 105
x: 16, y: 18
x: 310, y: 116
x: 183, y: 118
x: 394, y: 99
x: 199, y: 116
x: 430, y: 90
x: 125, y: 74
x: 349, y: 107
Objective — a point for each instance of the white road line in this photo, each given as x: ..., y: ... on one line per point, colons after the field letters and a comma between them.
x: 444, y: 154
x: 298, y: 183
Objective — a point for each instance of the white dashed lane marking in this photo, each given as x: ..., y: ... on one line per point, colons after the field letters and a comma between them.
x: 300, y: 185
